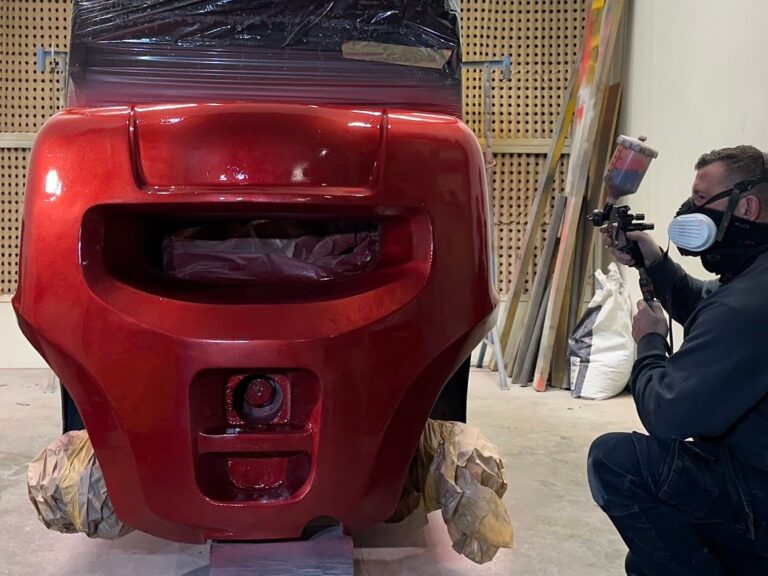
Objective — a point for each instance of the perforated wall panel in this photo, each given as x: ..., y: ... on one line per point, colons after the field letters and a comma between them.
x: 27, y: 99
x: 542, y: 38
x: 13, y: 163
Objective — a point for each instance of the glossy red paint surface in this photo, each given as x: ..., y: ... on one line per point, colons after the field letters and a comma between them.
x: 153, y: 363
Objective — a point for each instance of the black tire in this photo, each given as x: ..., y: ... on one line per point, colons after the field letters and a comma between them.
x: 452, y: 402
x: 70, y: 416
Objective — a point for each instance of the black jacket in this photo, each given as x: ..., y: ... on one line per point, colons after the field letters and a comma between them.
x: 715, y: 387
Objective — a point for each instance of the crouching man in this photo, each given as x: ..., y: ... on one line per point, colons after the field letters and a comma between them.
x: 691, y: 496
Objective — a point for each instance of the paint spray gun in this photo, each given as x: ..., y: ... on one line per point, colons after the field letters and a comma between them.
x: 628, y: 166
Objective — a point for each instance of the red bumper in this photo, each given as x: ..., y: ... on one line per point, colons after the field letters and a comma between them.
x: 150, y: 360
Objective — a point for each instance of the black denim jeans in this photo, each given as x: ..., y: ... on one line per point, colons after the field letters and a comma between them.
x: 682, y: 508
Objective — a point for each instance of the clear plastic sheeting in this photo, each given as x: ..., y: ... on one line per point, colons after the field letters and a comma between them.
x: 306, y: 24
x: 458, y: 471
x: 271, y: 251
x: 67, y: 489
x: 118, y: 74
x: 134, y: 51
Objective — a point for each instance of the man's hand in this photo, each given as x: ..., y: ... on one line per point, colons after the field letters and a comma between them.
x: 649, y: 319
x: 650, y: 250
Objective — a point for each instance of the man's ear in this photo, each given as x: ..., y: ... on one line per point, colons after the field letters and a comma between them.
x: 748, y: 208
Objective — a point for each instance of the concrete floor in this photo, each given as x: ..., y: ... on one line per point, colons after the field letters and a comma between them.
x: 543, y: 439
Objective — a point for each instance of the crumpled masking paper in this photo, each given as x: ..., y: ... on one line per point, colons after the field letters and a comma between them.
x: 458, y: 471
x: 67, y: 489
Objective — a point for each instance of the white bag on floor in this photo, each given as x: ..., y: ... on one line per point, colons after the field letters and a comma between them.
x: 600, y: 349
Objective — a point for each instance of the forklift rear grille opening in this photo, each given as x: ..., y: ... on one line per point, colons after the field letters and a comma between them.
x: 243, y: 258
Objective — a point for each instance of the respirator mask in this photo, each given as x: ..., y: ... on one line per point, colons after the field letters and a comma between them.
x: 725, y: 243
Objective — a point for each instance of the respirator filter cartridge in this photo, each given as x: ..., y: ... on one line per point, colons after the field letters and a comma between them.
x: 693, y: 232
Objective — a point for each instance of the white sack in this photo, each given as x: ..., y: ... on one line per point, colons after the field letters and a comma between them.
x: 600, y: 349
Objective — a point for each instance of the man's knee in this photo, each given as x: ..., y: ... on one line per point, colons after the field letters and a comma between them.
x: 611, y: 463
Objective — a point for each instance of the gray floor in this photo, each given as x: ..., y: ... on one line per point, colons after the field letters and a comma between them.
x: 543, y: 439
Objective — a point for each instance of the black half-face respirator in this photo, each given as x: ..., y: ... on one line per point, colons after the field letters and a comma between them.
x: 724, y: 242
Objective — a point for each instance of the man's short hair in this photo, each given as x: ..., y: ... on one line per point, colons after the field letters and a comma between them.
x: 741, y: 162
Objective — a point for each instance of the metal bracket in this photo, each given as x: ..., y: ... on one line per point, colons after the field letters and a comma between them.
x: 487, y: 66
x: 45, y: 55
x: 57, y: 61
x: 505, y: 63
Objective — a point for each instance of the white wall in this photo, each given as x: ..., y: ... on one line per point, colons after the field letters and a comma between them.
x: 695, y: 80
x: 15, y: 351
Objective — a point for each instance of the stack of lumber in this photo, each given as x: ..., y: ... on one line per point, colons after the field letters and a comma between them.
x: 536, y: 350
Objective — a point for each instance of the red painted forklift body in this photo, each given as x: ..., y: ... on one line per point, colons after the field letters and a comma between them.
x: 154, y: 361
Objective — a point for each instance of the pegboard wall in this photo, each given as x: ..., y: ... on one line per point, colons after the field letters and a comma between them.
x: 515, y: 179
x: 27, y: 99
x: 13, y: 164
x: 542, y: 39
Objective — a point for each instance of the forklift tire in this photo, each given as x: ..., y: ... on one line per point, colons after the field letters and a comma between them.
x: 70, y: 416
x: 452, y: 403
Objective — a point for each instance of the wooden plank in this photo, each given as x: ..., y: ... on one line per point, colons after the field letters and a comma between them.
x: 16, y: 139
x: 559, y: 367
x: 601, y: 155
x: 532, y: 350
x: 583, y: 236
x: 557, y: 293
x: 537, y: 295
x: 584, y: 136
x: 523, y: 145
x: 600, y: 254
